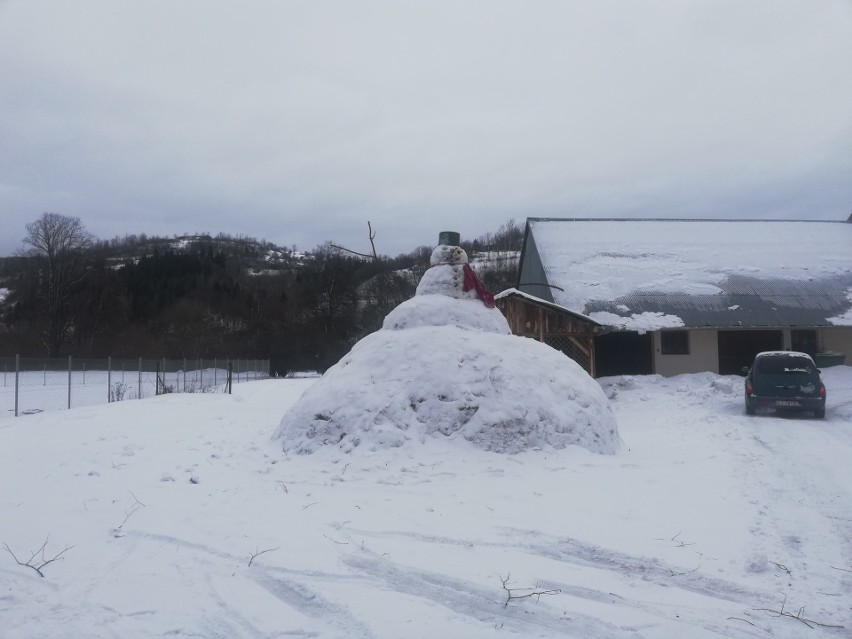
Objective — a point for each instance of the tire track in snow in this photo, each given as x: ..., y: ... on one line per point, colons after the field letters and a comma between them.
x: 471, y: 600
x: 288, y: 587
x: 649, y: 569
x: 296, y: 594
x: 803, y: 529
x: 570, y: 550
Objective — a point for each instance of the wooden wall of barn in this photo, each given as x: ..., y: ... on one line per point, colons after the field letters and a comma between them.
x: 562, y: 331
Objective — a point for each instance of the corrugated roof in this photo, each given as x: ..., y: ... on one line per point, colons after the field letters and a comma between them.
x: 718, y: 273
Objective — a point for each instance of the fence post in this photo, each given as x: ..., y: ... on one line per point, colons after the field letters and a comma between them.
x: 109, y: 378
x: 157, y: 380
x: 17, y: 375
x: 69, y: 381
x: 140, y: 380
x: 230, y: 376
x: 184, y: 374
x: 215, y: 371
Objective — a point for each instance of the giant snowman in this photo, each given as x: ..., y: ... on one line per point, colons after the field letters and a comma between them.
x: 445, y: 365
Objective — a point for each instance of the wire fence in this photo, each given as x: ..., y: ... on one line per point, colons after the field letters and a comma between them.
x: 31, y: 385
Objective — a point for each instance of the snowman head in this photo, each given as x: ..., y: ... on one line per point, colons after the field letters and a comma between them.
x: 445, y: 254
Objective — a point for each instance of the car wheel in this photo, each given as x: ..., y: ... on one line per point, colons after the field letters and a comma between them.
x: 749, y: 409
x: 820, y: 413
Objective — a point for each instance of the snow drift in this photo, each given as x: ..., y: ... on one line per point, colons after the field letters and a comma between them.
x: 444, y: 364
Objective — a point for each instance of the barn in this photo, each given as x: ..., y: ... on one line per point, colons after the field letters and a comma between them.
x: 673, y: 296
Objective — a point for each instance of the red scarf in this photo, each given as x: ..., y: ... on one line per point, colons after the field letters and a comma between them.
x: 472, y: 281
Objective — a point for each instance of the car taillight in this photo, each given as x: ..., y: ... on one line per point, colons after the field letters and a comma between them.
x: 822, y: 391
x: 749, y: 388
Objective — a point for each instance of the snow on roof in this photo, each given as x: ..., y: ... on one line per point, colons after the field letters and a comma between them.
x: 513, y: 292
x: 648, y: 274
x: 845, y: 318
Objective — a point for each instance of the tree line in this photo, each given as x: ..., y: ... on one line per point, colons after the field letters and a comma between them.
x: 140, y: 296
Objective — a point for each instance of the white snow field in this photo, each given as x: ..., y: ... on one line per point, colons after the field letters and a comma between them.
x: 180, y: 516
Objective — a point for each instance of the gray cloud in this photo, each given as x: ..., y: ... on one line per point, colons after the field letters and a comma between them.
x: 299, y: 121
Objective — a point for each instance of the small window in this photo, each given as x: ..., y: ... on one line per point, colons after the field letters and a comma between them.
x: 674, y: 342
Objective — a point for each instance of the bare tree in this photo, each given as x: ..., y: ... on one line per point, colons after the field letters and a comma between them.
x: 59, y: 244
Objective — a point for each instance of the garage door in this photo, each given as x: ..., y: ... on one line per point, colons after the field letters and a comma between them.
x: 624, y: 354
x: 738, y: 348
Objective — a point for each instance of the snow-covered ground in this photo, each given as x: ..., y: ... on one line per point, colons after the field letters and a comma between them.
x: 37, y: 391
x: 180, y: 516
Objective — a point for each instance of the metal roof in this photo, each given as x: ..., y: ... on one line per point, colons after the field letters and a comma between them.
x: 707, y: 273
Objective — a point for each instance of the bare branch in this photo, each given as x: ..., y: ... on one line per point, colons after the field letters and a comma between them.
x: 38, y: 564
x: 781, y: 567
x: 258, y: 553
x: 339, y: 543
x: 371, y: 234
x: 741, y: 619
x: 799, y: 616
x: 129, y: 513
x: 512, y: 593
x: 685, y: 572
x: 343, y: 248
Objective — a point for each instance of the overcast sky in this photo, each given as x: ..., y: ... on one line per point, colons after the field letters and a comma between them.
x: 297, y: 122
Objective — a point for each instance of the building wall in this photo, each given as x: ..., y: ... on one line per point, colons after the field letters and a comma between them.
x: 837, y: 339
x: 531, y: 275
x: 703, y: 355
x: 704, y: 350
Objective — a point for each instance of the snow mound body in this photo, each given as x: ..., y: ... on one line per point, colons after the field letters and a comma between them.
x: 440, y: 310
x: 446, y: 280
x: 447, y: 364
x: 497, y: 391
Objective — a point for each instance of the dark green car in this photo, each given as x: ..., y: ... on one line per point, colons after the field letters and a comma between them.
x: 784, y: 380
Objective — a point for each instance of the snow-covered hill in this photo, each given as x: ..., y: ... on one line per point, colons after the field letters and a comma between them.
x: 179, y: 516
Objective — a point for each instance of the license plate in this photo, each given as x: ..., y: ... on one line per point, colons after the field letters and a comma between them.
x: 786, y: 402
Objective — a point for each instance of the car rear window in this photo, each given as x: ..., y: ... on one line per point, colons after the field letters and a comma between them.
x: 785, y: 366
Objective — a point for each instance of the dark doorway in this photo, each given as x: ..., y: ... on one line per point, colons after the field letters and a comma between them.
x: 804, y: 341
x: 738, y: 348
x: 624, y: 354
